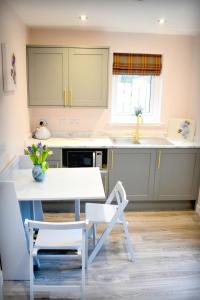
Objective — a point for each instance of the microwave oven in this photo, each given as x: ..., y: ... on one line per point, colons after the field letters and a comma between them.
x: 79, y: 158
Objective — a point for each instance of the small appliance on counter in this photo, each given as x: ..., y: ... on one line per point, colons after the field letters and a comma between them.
x: 42, y: 132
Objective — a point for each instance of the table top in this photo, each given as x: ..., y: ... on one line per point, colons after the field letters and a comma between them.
x: 59, y: 184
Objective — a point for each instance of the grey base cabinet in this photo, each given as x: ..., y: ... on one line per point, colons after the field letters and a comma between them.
x: 177, y: 174
x: 156, y: 174
x: 55, y: 160
x: 136, y: 169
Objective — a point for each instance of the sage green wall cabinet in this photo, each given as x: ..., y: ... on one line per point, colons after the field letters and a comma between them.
x: 47, y: 75
x: 177, y: 174
x: 88, y: 77
x: 136, y: 169
x: 72, y: 77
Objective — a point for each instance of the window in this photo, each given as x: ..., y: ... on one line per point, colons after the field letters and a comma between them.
x: 136, y: 83
x: 131, y: 91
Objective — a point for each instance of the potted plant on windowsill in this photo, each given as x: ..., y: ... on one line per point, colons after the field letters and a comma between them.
x: 38, y: 154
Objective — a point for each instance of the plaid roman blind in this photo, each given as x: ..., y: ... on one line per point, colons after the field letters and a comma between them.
x: 137, y: 64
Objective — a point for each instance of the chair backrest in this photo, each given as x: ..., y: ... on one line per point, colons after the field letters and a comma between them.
x: 55, y: 225
x: 25, y: 162
x: 31, y: 226
x: 118, y: 193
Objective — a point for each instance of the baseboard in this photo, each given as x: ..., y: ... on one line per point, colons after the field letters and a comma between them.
x: 68, y: 206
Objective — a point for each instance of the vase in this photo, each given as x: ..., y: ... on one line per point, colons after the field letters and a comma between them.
x: 37, y: 173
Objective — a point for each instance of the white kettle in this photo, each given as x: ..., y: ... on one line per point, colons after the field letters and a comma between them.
x: 42, y: 132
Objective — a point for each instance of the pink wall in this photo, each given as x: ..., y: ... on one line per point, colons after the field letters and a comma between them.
x: 196, y: 85
x: 177, y: 98
x: 14, y: 118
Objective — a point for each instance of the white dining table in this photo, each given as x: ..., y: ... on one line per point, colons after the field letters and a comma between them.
x: 19, y: 194
x: 63, y: 184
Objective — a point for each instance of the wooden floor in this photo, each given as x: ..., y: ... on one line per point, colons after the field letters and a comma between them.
x: 166, y: 267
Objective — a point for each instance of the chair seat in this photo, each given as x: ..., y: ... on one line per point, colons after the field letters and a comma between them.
x: 59, y: 239
x: 100, y: 213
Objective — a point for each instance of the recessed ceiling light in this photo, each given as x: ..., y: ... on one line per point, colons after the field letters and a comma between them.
x: 161, y: 21
x: 83, y: 17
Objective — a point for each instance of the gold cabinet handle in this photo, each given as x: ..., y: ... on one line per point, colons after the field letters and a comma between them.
x: 159, y: 159
x: 112, y: 160
x: 65, y: 96
x: 105, y: 184
x: 70, y: 97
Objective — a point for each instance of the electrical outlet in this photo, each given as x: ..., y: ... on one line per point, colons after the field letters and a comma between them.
x: 74, y: 121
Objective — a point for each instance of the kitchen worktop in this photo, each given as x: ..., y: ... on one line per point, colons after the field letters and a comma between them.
x: 112, y: 142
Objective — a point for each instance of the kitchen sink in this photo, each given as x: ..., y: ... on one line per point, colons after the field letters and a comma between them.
x: 142, y: 141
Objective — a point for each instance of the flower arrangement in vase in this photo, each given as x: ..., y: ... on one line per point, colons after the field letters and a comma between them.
x: 38, y: 154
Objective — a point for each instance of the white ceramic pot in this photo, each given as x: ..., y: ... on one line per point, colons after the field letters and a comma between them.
x: 42, y: 133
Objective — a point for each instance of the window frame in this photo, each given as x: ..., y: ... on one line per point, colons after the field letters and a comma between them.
x: 155, y: 103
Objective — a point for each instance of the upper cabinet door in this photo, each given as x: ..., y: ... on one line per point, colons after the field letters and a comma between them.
x: 47, y: 80
x: 88, y: 77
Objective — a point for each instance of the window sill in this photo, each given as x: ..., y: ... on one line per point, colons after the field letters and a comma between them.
x: 133, y: 124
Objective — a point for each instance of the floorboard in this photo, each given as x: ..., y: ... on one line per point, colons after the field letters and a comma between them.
x: 167, y: 262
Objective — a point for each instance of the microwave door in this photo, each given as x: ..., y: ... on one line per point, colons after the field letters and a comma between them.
x: 80, y: 159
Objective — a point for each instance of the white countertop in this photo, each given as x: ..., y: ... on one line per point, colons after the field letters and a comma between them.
x: 106, y: 142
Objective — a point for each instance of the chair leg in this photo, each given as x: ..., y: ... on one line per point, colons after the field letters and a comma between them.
x: 94, y: 231
x: 128, y: 240
x: 36, y: 259
x: 86, y: 249
x: 31, y: 277
x: 99, y: 244
x: 83, y: 266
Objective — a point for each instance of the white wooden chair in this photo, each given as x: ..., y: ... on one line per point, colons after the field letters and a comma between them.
x: 111, y: 214
x: 56, y: 236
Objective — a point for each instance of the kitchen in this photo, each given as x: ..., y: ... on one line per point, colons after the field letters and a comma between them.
x: 179, y: 46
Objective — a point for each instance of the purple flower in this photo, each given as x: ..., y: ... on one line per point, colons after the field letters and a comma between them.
x: 30, y: 149
x: 44, y: 147
x: 39, y: 146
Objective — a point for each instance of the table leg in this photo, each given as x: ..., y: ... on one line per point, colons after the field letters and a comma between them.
x: 37, y: 211
x: 77, y: 209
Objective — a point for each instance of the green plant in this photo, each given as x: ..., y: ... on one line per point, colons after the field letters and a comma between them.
x: 38, y: 154
x: 138, y: 111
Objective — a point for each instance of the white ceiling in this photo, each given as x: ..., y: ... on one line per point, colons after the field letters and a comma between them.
x: 182, y: 16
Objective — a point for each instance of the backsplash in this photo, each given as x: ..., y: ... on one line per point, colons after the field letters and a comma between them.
x: 86, y: 122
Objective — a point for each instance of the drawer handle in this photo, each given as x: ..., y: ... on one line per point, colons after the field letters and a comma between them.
x: 159, y: 159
